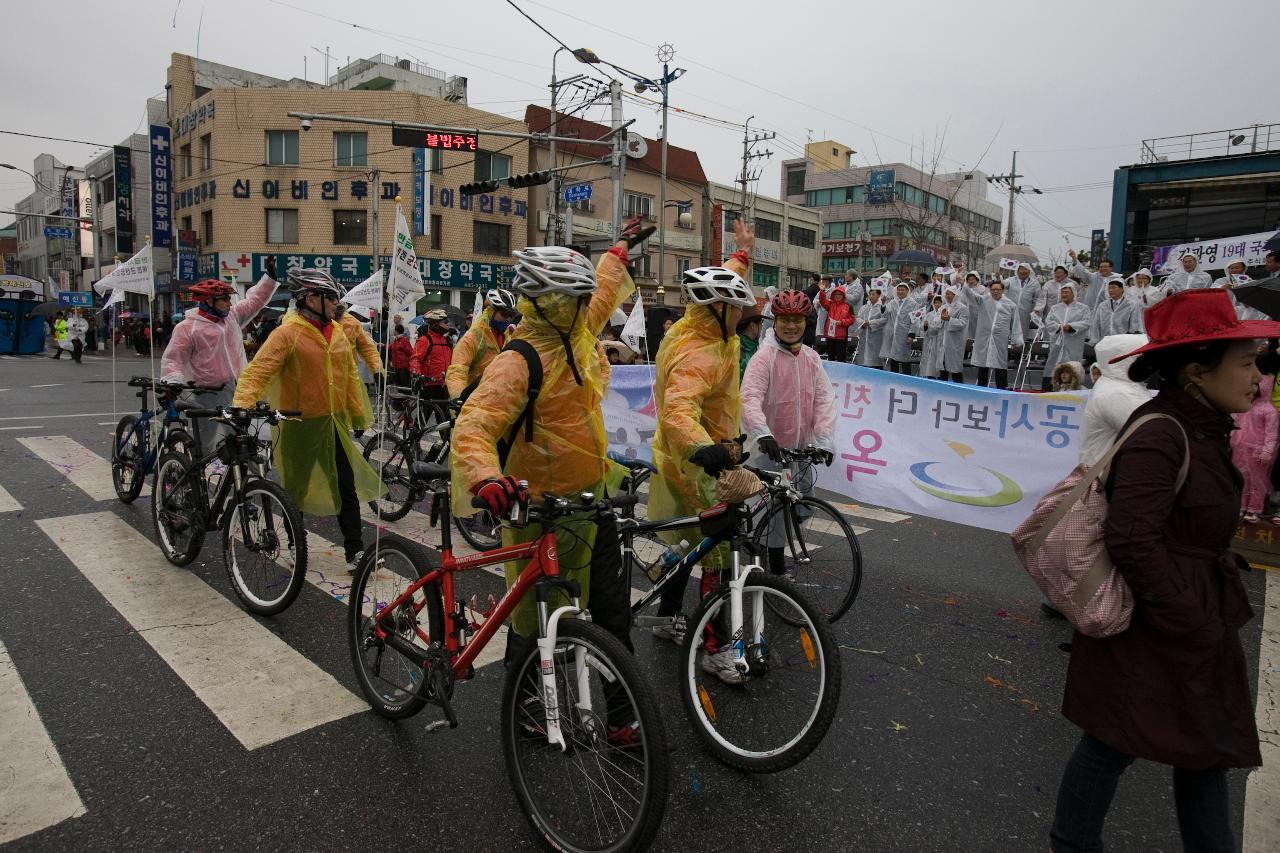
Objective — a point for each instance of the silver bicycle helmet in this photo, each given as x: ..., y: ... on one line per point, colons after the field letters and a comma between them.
x: 304, y: 281
x: 553, y: 269
x: 709, y: 285
x: 500, y: 298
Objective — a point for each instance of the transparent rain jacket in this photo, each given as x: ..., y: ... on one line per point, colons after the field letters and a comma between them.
x: 477, y: 347
x: 788, y: 395
x: 211, y: 352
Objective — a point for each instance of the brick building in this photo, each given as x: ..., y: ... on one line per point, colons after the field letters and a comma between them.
x: 251, y: 181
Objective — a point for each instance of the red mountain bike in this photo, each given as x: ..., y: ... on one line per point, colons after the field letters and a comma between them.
x: 583, y: 737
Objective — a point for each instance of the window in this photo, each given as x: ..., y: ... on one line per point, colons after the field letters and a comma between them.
x: 643, y: 264
x: 107, y: 190
x: 490, y: 238
x: 492, y: 167
x: 206, y: 152
x: 436, y: 226
x: 206, y: 228
x: 795, y: 182
x: 730, y: 217
x: 682, y: 267
x: 437, y: 161
x: 763, y: 275
x: 350, y: 227
x: 282, y: 147
x: 835, y: 195
x: 351, y: 149
x: 767, y: 229
x: 282, y: 225
x: 798, y: 279
x: 636, y: 205
x: 584, y: 206
x: 802, y: 237
x: 184, y: 161
x: 186, y: 223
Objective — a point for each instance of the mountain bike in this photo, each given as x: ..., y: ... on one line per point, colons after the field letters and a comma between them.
x: 776, y: 706
x: 133, y: 456
x: 264, y: 543
x: 581, y: 730
x: 820, y: 549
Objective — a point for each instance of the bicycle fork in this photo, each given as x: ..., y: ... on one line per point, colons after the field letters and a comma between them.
x: 547, y: 670
x: 737, y: 630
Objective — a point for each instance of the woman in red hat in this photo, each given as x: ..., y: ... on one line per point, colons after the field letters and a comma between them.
x: 1172, y: 688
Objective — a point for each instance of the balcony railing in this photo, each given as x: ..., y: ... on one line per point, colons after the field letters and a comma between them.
x: 1251, y: 139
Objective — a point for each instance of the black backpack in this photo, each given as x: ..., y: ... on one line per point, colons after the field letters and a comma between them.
x: 525, y: 421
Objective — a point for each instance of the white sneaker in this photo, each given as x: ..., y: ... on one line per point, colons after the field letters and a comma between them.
x: 673, y: 631
x: 721, y: 665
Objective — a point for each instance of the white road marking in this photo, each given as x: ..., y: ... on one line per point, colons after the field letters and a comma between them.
x: 859, y: 511
x: 1262, y: 790
x: 107, y: 423
x: 49, y: 385
x: 7, y: 502
x: 33, y: 426
x: 79, y: 464
x: 51, y: 417
x: 35, y: 790
x: 256, y: 684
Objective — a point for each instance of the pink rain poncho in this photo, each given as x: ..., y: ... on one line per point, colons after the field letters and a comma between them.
x: 1253, y: 447
x: 211, y: 352
x: 788, y: 396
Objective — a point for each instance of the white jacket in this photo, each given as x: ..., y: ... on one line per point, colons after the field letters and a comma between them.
x: 1113, y: 399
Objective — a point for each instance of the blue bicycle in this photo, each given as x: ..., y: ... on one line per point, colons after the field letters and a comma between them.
x: 133, y: 456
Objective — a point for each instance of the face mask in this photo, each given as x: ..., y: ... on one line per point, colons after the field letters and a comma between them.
x: 498, y: 325
x: 207, y: 307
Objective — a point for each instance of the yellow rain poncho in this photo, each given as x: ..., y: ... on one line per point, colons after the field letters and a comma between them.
x: 567, y: 453
x: 472, y: 354
x: 297, y: 369
x: 365, y: 348
x: 696, y: 393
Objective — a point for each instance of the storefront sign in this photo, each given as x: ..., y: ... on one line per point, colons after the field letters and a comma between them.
x: 1216, y: 254
x: 410, y: 137
x: 857, y: 248
x: 421, y: 178
x: 77, y: 298
x: 438, y: 272
x: 348, y: 269
x: 880, y: 186
x: 187, y: 267
x: 161, y: 188
x: 199, y: 115
x: 124, y: 199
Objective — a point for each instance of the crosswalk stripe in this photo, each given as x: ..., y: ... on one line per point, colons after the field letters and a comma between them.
x: 7, y: 502
x: 1262, y: 790
x: 80, y: 465
x: 871, y: 513
x: 35, y: 790
x: 256, y: 684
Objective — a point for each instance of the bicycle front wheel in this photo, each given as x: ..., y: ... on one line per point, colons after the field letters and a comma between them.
x: 176, y: 510
x: 772, y: 716
x: 392, y: 462
x: 819, y: 545
x: 128, y: 460
x: 394, y: 685
x: 264, y: 547
x: 607, y: 790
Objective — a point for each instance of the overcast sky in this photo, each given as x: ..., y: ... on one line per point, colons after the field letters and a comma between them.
x: 1073, y: 87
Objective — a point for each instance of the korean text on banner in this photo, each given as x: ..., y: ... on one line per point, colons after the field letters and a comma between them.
x: 406, y: 281
x: 959, y: 453
x: 133, y: 276
x: 161, y: 183
x: 1216, y: 254
x: 633, y: 330
x: 367, y: 293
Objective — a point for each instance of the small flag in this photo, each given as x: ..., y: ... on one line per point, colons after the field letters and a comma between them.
x: 1008, y: 264
x: 633, y: 330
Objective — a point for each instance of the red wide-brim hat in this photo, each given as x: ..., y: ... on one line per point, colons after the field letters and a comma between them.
x: 1197, y: 317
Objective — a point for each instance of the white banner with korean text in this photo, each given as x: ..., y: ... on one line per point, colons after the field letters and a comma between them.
x: 1216, y: 254
x: 959, y: 453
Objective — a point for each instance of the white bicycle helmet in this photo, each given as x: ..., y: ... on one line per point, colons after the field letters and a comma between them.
x: 500, y: 298
x: 310, y: 280
x: 708, y: 285
x: 553, y: 269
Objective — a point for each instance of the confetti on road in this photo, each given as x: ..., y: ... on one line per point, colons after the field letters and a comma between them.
x: 897, y: 726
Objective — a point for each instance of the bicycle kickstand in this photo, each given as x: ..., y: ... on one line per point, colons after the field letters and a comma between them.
x: 438, y: 673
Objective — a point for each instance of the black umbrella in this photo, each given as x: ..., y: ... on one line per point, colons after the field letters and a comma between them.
x: 1263, y: 294
x: 914, y: 257
x: 51, y: 307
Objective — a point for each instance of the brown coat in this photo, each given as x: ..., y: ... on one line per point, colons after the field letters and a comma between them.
x: 1173, y: 687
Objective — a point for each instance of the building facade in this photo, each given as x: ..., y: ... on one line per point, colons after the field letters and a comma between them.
x: 40, y: 255
x: 788, y: 236
x: 870, y: 212
x: 249, y: 181
x: 590, y: 221
x: 1196, y: 187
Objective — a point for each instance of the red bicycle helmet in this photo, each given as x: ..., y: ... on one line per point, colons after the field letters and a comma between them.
x: 791, y: 302
x: 210, y: 289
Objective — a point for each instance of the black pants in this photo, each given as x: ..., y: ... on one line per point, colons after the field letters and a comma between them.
x: 349, y: 504
x: 896, y: 366
x: 837, y: 349
x: 1089, y: 784
x: 1002, y: 377
x: 951, y: 377
x: 77, y: 349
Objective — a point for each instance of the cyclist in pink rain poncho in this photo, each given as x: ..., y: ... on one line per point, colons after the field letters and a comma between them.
x: 1253, y: 449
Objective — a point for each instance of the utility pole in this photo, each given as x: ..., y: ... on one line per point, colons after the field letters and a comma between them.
x: 1012, y: 180
x: 748, y: 143
x: 377, y: 260
x: 619, y: 165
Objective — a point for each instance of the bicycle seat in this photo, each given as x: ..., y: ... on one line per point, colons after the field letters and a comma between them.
x: 426, y: 472
x: 397, y: 394
x: 632, y: 465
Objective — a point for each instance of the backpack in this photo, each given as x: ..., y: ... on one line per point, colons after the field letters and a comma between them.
x: 525, y: 420
x: 1060, y: 544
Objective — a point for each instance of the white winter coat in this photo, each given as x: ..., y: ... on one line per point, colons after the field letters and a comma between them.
x: 999, y: 324
x: 897, y: 328
x: 955, y: 332
x: 870, y: 331
x: 1113, y: 399
x: 1183, y: 280
x: 1114, y: 317
x: 1064, y: 345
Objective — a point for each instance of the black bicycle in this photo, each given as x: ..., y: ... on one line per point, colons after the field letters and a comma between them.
x: 264, y: 543
x: 133, y: 455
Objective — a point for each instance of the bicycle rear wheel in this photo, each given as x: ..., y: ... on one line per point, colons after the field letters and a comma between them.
x: 608, y: 790
x: 395, y: 686
x: 175, y: 509
x: 128, y: 460
x: 392, y: 462
x: 264, y: 547
x: 781, y: 713
x: 820, y: 546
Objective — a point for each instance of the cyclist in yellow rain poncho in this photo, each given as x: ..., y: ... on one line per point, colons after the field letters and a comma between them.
x: 308, y: 365
x: 696, y: 393
x: 481, y: 343
x: 564, y: 304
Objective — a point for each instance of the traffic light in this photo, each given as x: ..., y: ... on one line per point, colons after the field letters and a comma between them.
x: 478, y: 188
x: 532, y: 179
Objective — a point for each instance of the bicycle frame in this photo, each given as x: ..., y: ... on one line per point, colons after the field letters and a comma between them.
x: 142, y: 426
x: 214, y: 509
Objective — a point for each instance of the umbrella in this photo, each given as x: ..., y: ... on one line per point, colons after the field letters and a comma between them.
x: 913, y: 257
x: 45, y: 308
x: 1013, y: 251
x: 1263, y: 294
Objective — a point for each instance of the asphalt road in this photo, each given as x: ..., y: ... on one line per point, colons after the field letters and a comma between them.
x: 949, y: 734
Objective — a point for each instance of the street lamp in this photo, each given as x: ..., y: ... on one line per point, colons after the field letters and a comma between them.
x: 586, y: 56
x: 665, y: 54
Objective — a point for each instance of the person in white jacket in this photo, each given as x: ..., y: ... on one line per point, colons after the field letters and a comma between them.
x: 1096, y: 282
x: 999, y: 327
x: 870, y: 328
x: 1113, y: 399
x: 1233, y: 278
x: 1145, y: 292
x: 954, y: 316
x: 1115, y: 314
x: 1190, y: 276
x: 1067, y: 328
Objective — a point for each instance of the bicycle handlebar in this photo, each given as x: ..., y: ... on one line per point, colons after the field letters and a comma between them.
x: 236, y: 415
x: 553, y: 506
x: 147, y: 382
